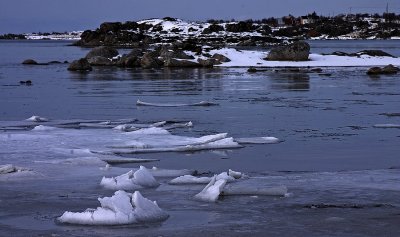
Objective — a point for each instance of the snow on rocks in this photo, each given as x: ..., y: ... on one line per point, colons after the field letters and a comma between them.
x: 120, y: 209
x: 141, y: 178
x: 254, y: 58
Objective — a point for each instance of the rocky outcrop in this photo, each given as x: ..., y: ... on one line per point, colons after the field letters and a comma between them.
x: 80, y: 65
x: 209, y: 62
x: 389, y: 69
x: 102, y: 51
x: 220, y: 58
x: 297, y: 51
x: 372, y: 53
x: 150, y: 60
x: 172, y: 62
x: 99, y: 61
x: 30, y: 62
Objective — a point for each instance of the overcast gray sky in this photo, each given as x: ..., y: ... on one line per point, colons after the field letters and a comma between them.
x: 18, y: 16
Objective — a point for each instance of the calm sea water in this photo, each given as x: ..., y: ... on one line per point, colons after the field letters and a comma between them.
x: 331, y: 152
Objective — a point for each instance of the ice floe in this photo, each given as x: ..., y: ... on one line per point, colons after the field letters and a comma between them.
x: 387, y: 125
x: 201, y: 103
x: 120, y: 209
x: 224, y: 185
x: 212, y: 191
x: 36, y: 118
x: 141, y: 178
x: 257, y: 140
x: 43, y: 128
x: 190, y: 179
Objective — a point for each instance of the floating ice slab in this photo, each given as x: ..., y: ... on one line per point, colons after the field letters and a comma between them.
x: 212, y: 191
x: 43, y: 128
x: 226, y: 143
x: 190, y: 179
x: 74, y: 161
x: 125, y: 128
x: 201, y: 103
x: 120, y: 209
x: 257, y: 140
x: 157, y: 172
x: 141, y: 178
x: 36, y: 118
x: 387, y: 125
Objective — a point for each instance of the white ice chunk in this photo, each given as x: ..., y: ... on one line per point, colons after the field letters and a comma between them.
x: 149, y: 131
x: 235, y: 174
x: 212, y: 191
x: 43, y: 128
x: 141, y: 178
x: 257, y: 140
x: 144, y: 178
x: 120, y: 209
x: 387, y: 125
x: 190, y: 179
x: 36, y: 118
x: 201, y: 103
x: 125, y: 127
x: 146, y: 210
x: 225, y: 176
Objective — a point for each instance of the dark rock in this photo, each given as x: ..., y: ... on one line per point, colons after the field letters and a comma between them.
x: 99, y: 61
x: 30, y: 62
x: 316, y: 69
x: 213, y: 28
x: 252, y: 69
x: 172, y: 62
x: 241, y: 26
x: 102, y: 51
x: 390, y: 69
x: 138, y: 52
x: 132, y: 61
x: 221, y: 58
x: 297, y: 51
x: 374, y: 71
x: 167, y: 18
x: 80, y: 65
x: 54, y: 62
x: 110, y: 27
x: 66, y: 61
x: 167, y: 52
x: 150, y: 60
x: 28, y: 82
x: 247, y: 43
x: 374, y: 53
x: 210, y: 62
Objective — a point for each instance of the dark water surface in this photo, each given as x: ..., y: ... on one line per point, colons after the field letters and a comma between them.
x: 331, y: 152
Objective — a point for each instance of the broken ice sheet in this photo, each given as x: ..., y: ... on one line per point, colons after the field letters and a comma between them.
x: 121, y: 209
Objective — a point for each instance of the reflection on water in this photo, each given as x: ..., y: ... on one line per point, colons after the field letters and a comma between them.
x: 290, y: 81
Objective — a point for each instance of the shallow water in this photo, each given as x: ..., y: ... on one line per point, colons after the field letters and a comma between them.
x: 331, y: 152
